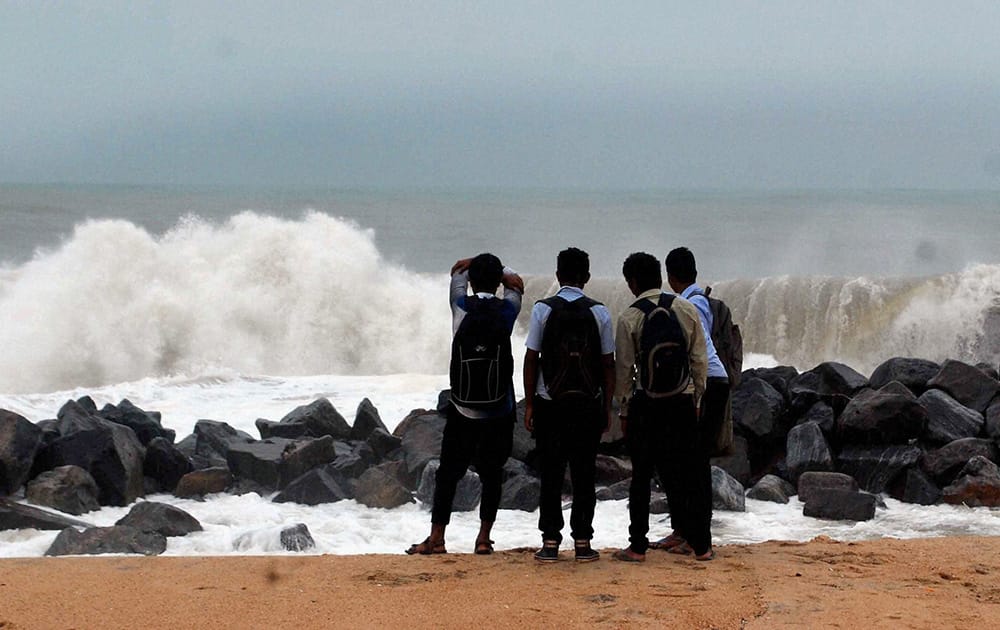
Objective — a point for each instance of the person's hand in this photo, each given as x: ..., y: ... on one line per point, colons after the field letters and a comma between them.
x: 461, y: 266
x: 529, y: 417
x: 513, y: 281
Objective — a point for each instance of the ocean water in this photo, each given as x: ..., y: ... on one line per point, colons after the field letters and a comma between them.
x: 237, y: 305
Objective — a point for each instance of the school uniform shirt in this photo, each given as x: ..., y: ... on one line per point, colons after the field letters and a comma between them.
x: 629, y: 334
x: 511, y: 307
x: 540, y: 314
x: 696, y: 295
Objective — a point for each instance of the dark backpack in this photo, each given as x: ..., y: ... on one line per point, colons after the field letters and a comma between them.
x: 482, y: 366
x: 726, y: 337
x: 663, y: 364
x: 571, y: 350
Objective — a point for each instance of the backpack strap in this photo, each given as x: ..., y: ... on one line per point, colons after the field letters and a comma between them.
x: 643, y: 304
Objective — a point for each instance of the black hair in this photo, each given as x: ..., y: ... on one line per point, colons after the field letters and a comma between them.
x: 573, y: 266
x: 485, y: 273
x: 644, y: 269
x: 680, y: 264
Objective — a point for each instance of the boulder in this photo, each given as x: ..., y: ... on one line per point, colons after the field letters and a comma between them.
x: 165, y: 463
x: 69, y: 489
x: 380, y: 487
x: 812, y: 482
x: 611, y: 470
x: 806, y: 449
x: 319, y: 485
x: 421, y: 440
x: 366, y: 421
x: 757, y: 408
x: 874, y: 468
x: 821, y: 414
x: 258, y: 461
x: 989, y: 369
x: 777, y: 377
x: 727, y: 493
x: 197, y: 484
x: 467, y: 493
x: 912, y: 373
x: 771, y: 488
x: 944, y: 463
x: 110, y: 452
x: 99, y: 540
x: 523, y: 444
x: 737, y: 463
x: 977, y: 485
x: 19, y: 443
x: 296, y: 538
x: 914, y: 486
x: 211, y: 442
x: 150, y: 516
x: 993, y: 421
x: 947, y: 419
x: 301, y: 456
x: 316, y: 419
x: 658, y: 504
x: 520, y: 492
x: 966, y: 384
x: 17, y: 516
x: 145, y: 424
x: 884, y: 416
x: 840, y: 505
x: 827, y: 380
x: 383, y: 443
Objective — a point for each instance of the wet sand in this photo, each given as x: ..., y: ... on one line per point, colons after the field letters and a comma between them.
x: 928, y: 583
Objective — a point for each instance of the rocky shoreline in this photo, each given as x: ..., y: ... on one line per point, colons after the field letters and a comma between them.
x: 915, y: 430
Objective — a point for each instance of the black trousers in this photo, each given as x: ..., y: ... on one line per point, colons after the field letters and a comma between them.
x: 663, y: 438
x: 567, y: 433
x: 486, y: 442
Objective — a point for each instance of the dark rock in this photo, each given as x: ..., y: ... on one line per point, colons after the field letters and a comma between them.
x: 301, y: 456
x: 19, y: 443
x: 146, y: 424
x: 379, y: 487
x: 383, y: 443
x: 110, y: 452
x: 421, y: 440
x: 821, y: 414
x: 520, y: 492
x: 514, y: 467
x: 366, y: 420
x: 875, y: 468
x: 727, y: 493
x: 989, y: 370
x: 737, y: 463
x: 977, y: 485
x: 947, y: 419
x: 884, y: 416
x: 444, y: 399
x: 777, y: 377
x: 828, y: 379
x: 258, y: 461
x: 467, y: 493
x: 614, y: 492
x: 213, y: 440
x: 199, y: 483
x: 806, y: 450
x: 523, y: 444
x: 966, y: 384
x: 99, y: 540
x: 319, y: 485
x: 914, y: 486
x: 17, y: 516
x: 771, y: 488
x: 658, y: 504
x: 944, y: 463
x: 69, y: 489
x: 165, y: 463
x: 756, y: 408
x: 319, y: 418
x: 297, y: 538
x: 993, y: 421
x: 840, y: 505
x: 812, y: 482
x: 913, y: 373
x: 88, y: 404
x: 150, y: 516
x: 611, y: 470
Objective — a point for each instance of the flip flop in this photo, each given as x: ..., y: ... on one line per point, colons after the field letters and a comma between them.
x: 484, y: 547
x: 710, y: 555
x: 667, y: 542
x: 623, y: 556
x: 426, y: 549
x: 682, y: 549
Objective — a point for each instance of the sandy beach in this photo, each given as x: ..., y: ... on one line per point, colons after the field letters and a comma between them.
x: 927, y: 583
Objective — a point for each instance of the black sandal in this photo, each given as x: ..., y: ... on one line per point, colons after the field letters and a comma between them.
x: 425, y: 548
x: 484, y: 547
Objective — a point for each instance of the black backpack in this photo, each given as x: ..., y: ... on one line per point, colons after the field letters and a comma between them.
x: 482, y: 366
x: 663, y: 363
x: 726, y: 337
x: 571, y: 350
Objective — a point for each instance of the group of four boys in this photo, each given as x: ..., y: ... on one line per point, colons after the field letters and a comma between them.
x: 660, y: 362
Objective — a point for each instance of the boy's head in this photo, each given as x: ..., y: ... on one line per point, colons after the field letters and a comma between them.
x: 485, y: 273
x: 680, y: 266
x: 643, y: 270
x: 573, y: 267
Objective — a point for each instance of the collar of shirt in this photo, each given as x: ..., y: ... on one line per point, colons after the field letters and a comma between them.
x: 569, y: 292
x: 485, y: 295
x: 652, y: 294
x: 694, y: 288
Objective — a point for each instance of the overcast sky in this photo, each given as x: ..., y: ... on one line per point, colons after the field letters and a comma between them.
x: 775, y: 94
